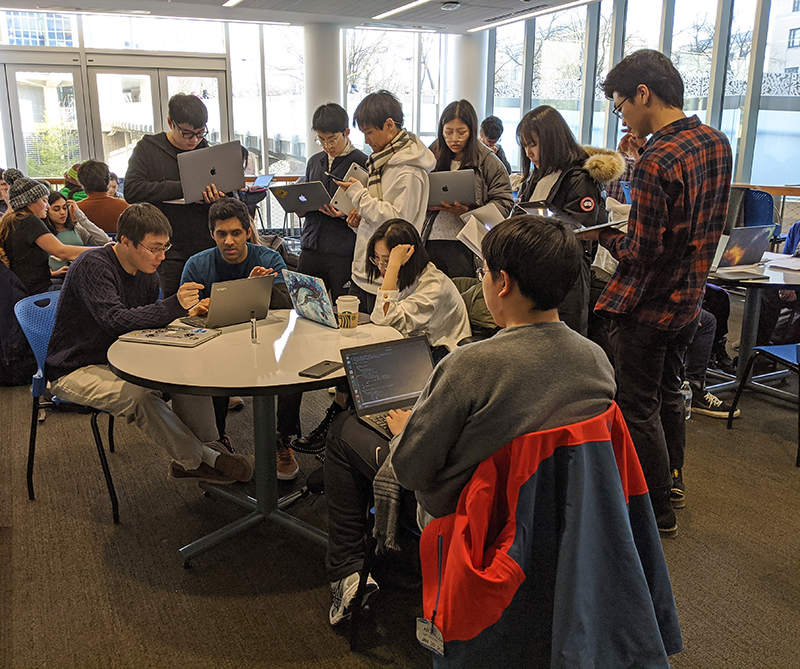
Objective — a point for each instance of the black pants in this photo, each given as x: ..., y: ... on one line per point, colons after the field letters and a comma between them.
x: 288, y: 420
x: 699, y: 351
x: 353, y: 456
x: 451, y: 257
x: 334, y: 270
x: 366, y: 299
x: 649, y: 370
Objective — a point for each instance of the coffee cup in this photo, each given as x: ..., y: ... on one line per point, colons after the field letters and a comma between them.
x: 347, y: 316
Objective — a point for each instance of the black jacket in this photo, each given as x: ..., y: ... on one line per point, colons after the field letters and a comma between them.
x: 17, y: 363
x: 320, y: 231
x: 153, y: 176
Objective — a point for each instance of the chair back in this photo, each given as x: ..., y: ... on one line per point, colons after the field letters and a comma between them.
x: 626, y: 188
x: 758, y: 208
x: 36, y: 315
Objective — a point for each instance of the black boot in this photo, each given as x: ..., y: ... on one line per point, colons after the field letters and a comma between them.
x: 314, y: 442
x: 720, y: 358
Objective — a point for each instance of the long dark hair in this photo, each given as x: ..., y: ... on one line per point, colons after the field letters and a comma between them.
x: 394, y: 232
x: 69, y: 224
x: 558, y: 149
x: 463, y: 111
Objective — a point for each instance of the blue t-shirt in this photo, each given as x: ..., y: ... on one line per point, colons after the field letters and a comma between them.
x: 209, y: 267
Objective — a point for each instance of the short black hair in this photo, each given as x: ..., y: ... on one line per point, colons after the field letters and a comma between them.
x: 330, y: 118
x: 463, y: 111
x: 189, y: 109
x: 492, y: 127
x: 140, y: 220
x: 376, y: 108
x: 398, y: 231
x: 226, y: 208
x: 558, y: 149
x: 648, y: 67
x: 112, y: 177
x: 94, y: 176
x: 542, y: 255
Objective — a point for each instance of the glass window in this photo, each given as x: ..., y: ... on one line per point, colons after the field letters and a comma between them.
x: 558, y: 63
x: 153, y: 34
x: 796, y: 5
x: 510, y: 44
x: 794, y: 38
x: 642, y: 25
x: 248, y: 112
x: 38, y: 29
x: 603, y: 67
x: 430, y: 70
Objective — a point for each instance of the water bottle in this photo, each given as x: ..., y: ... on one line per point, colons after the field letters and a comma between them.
x: 686, y: 391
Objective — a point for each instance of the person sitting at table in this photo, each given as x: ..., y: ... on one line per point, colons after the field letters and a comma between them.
x: 235, y: 257
x: 4, y: 206
x: 103, y: 209
x: 113, y: 185
x: 113, y: 290
x: 73, y: 190
x: 71, y: 227
x: 415, y: 298
x: 25, y: 242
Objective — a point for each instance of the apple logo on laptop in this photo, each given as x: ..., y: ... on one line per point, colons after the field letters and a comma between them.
x: 213, y: 171
x: 303, y: 198
x: 445, y: 189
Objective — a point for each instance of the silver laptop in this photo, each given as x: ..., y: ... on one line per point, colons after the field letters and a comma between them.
x: 389, y: 375
x: 302, y: 197
x: 744, y: 246
x: 220, y: 165
x: 452, y: 187
x: 232, y: 302
x: 171, y: 336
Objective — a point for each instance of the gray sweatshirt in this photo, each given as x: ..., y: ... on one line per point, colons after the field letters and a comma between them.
x: 481, y: 396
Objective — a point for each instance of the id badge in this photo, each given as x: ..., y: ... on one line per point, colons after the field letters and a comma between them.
x: 430, y: 637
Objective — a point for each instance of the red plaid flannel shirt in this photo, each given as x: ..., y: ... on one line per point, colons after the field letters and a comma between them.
x: 680, y: 190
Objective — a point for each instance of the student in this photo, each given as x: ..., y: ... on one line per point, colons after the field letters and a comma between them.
x: 398, y: 184
x: 113, y: 290
x: 557, y: 170
x: 113, y: 185
x: 100, y: 207
x: 73, y: 190
x: 534, y: 374
x: 458, y: 148
x: 328, y: 243
x: 25, y: 242
x: 490, y: 133
x: 3, y: 194
x: 71, y: 227
x: 153, y: 176
x: 681, y: 184
x: 235, y: 257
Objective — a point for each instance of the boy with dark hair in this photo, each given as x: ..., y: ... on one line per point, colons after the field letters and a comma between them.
x: 534, y: 374
x: 490, y: 133
x: 153, y: 176
x: 100, y: 208
x: 680, y: 189
x: 110, y: 291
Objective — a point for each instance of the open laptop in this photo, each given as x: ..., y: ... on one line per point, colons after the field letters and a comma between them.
x: 310, y: 298
x: 301, y: 198
x: 220, y: 165
x: 744, y: 246
x: 452, y: 187
x: 389, y: 375
x: 171, y: 336
x: 232, y: 302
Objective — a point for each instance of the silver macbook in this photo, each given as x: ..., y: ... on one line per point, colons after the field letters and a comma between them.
x: 301, y: 198
x: 452, y: 187
x: 385, y: 376
x: 744, y: 246
x: 220, y: 165
x: 232, y: 302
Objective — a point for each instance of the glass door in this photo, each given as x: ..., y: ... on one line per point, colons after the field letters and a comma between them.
x: 210, y: 87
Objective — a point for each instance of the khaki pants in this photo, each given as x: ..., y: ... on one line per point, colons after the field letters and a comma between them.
x: 180, y: 430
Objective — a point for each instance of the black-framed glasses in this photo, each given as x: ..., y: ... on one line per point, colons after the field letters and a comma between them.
x: 329, y: 142
x: 380, y: 264
x: 617, y: 110
x: 158, y: 249
x: 189, y: 134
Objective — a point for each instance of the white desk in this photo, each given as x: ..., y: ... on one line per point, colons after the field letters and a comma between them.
x: 232, y: 365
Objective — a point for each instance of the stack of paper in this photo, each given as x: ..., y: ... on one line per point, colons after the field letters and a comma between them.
x: 476, y: 224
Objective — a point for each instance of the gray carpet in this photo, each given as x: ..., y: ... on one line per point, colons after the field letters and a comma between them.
x: 77, y: 591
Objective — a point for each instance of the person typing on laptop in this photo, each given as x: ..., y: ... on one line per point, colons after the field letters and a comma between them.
x: 112, y: 290
x: 534, y: 374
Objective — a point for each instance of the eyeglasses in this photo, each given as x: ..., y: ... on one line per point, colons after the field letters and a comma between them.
x: 461, y: 135
x: 158, y: 249
x: 482, y: 272
x: 189, y: 134
x: 380, y: 264
x: 617, y: 111
x: 329, y: 142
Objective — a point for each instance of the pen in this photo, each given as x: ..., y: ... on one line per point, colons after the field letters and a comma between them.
x: 253, y: 331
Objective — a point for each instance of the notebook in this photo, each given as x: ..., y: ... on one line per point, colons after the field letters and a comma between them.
x: 171, y: 336
x: 385, y: 376
x: 301, y: 198
x: 233, y: 302
x: 220, y: 165
x: 451, y: 187
x: 310, y: 298
x: 744, y: 246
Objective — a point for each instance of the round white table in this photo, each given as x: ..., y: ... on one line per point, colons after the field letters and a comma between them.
x: 232, y: 364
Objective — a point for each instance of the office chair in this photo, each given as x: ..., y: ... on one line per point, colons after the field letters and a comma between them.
x: 784, y: 354
x: 36, y: 315
x: 758, y: 208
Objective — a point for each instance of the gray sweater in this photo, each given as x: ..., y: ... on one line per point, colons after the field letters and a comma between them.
x: 481, y: 396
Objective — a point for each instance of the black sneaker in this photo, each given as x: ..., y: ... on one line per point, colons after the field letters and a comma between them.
x: 707, y: 404
x: 723, y: 362
x: 314, y: 442
x: 677, y: 493
x: 665, y: 515
x: 226, y: 442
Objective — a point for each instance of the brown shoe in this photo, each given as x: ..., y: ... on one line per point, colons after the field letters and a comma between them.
x: 286, y: 464
x: 232, y: 464
x: 235, y: 403
x: 203, y: 473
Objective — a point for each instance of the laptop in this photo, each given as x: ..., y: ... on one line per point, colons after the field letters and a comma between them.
x: 232, y: 302
x: 452, y: 187
x: 310, y: 298
x: 301, y: 198
x: 744, y: 246
x: 389, y: 375
x: 220, y: 165
x: 171, y: 336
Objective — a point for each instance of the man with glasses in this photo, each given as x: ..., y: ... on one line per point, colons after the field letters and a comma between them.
x: 112, y: 290
x: 153, y: 176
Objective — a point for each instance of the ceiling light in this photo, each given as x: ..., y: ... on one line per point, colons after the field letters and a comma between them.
x: 530, y: 15
x: 449, y: 6
x: 404, y: 8
x: 231, y: 3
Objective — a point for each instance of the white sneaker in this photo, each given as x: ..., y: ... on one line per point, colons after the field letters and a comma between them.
x: 343, y: 592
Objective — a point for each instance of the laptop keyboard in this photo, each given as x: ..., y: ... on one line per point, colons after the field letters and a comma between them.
x: 380, y: 419
x: 195, y: 321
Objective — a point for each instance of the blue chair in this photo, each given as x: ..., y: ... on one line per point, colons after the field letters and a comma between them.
x: 758, y: 208
x: 784, y: 354
x: 36, y: 315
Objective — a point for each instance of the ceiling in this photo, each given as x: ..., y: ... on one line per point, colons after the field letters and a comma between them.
x: 346, y: 13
